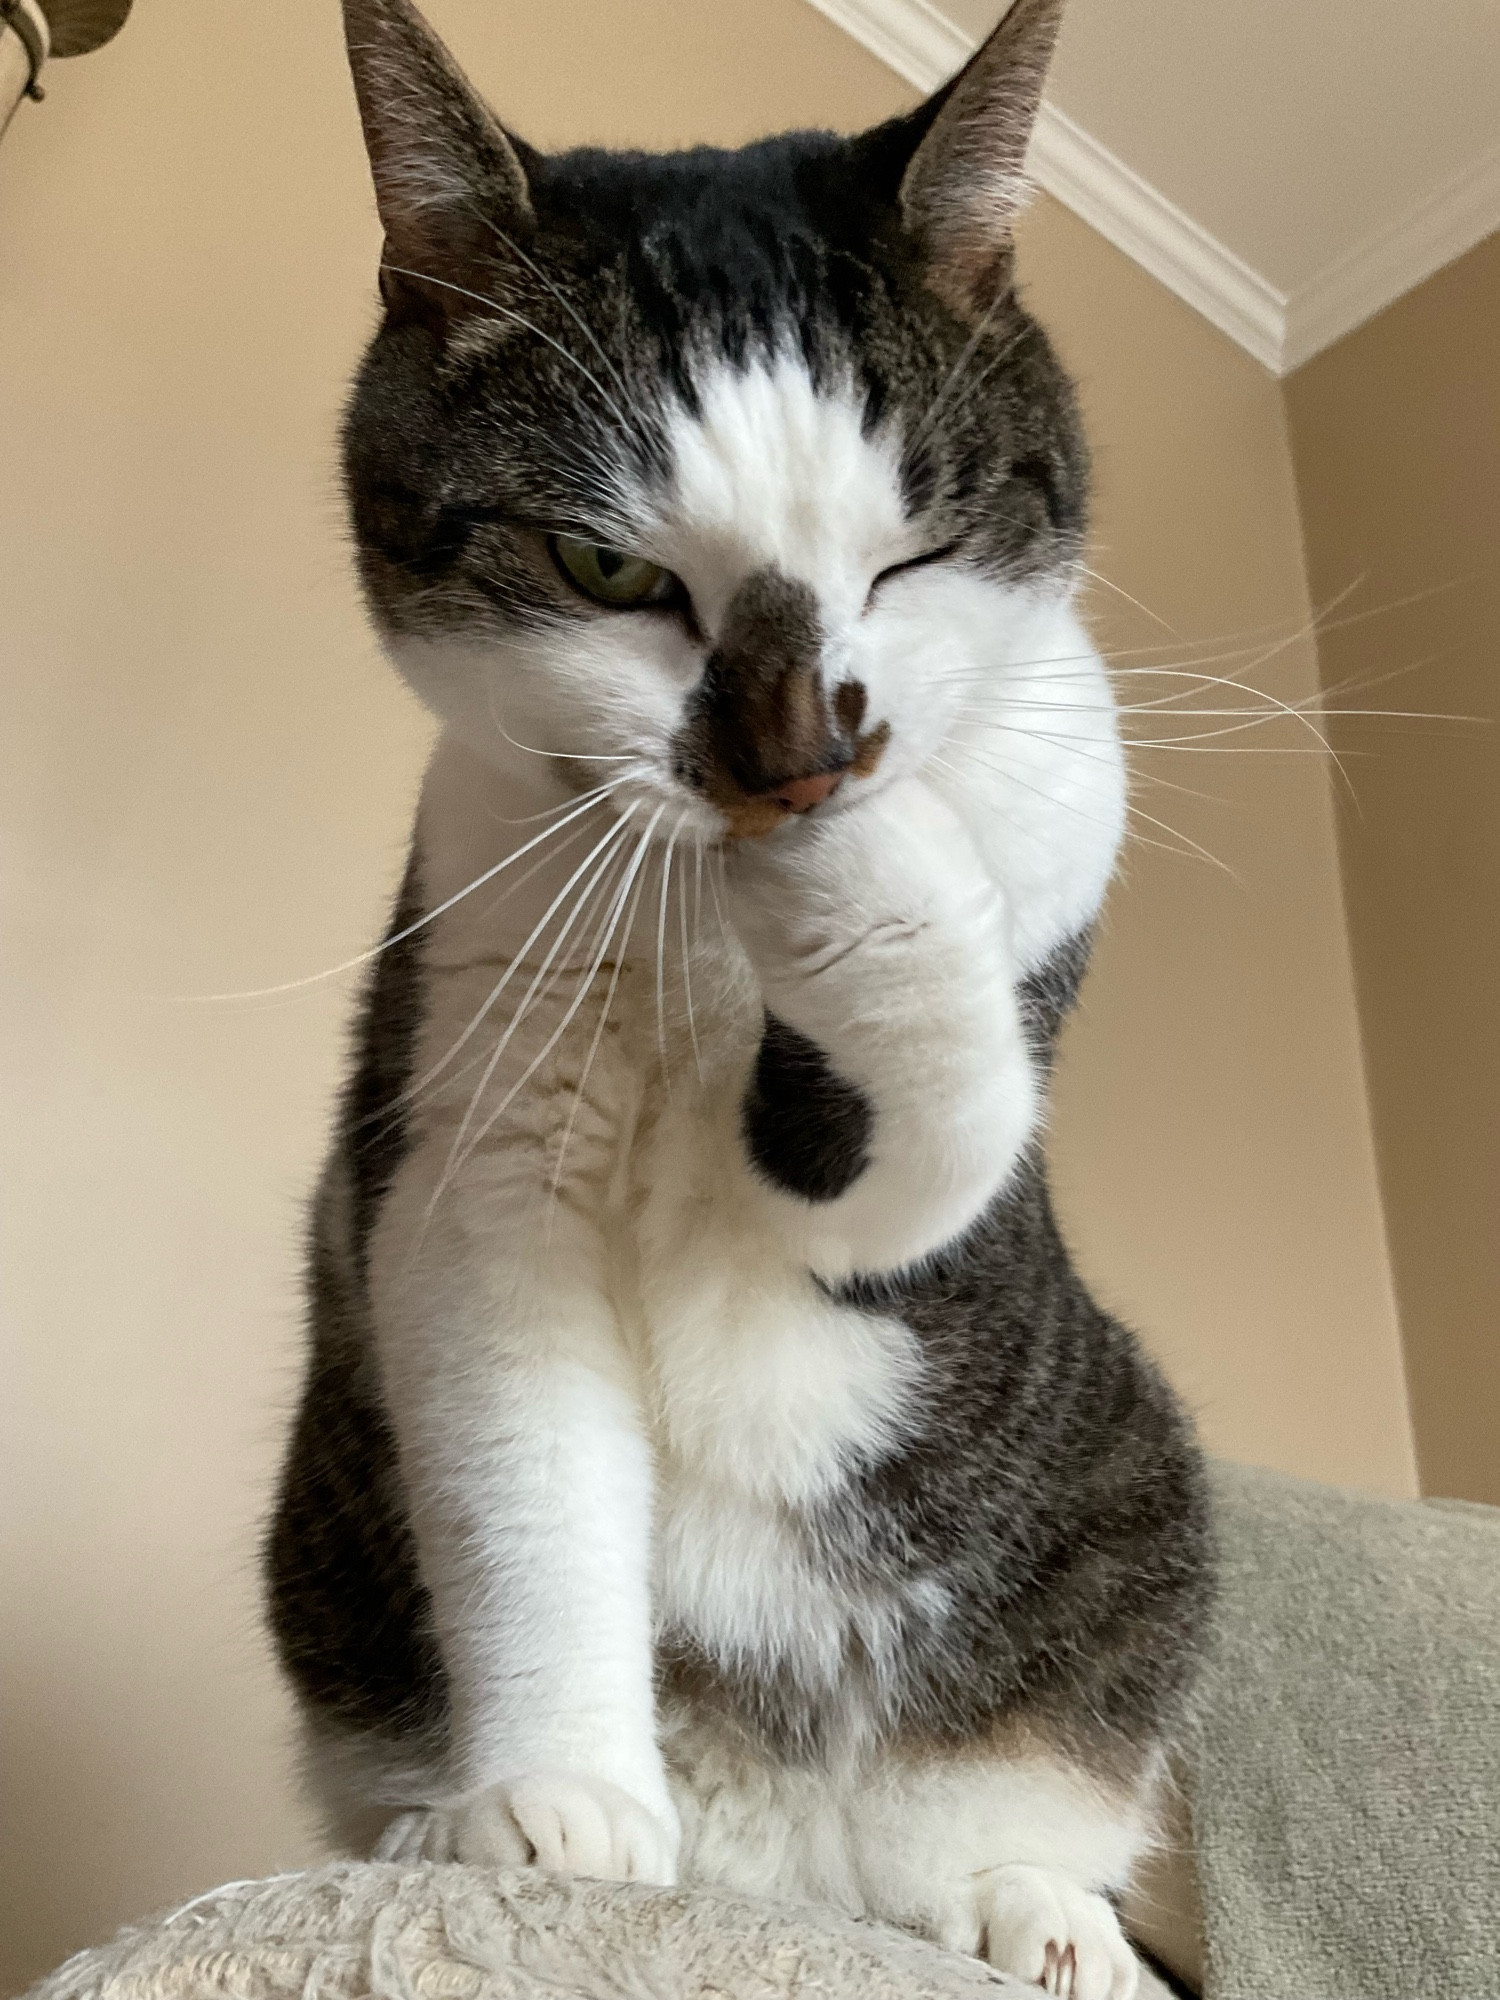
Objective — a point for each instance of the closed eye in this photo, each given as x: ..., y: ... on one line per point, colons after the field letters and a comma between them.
x: 912, y: 562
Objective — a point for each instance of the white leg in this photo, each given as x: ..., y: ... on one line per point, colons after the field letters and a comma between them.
x: 515, y: 1406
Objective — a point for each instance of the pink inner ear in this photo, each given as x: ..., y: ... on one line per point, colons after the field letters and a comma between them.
x: 441, y: 160
x: 966, y: 181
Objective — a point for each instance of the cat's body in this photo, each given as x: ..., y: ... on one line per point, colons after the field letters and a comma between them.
x: 711, y: 1461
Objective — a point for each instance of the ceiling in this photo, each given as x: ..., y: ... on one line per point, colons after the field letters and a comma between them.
x: 1312, y: 157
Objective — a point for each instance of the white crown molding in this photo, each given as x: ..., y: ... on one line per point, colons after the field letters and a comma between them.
x: 1154, y: 233
x: 908, y: 36
x: 1389, y: 263
x: 1280, y: 330
x: 923, y: 46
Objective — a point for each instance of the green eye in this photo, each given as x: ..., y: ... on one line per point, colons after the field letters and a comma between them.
x: 611, y: 575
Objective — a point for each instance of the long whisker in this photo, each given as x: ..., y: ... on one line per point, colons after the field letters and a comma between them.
x: 715, y: 876
x: 520, y: 319
x: 661, y: 950
x: 1281, y: 646
x: 1243, y: 645
x: 609, y: 1001
x: 455, y: 1163
x: 568, y: 756
x: 1012, y: 776
x: 1144, y: 609
x: 1203, y: 853
x: 597, y: 886
x: 687, y: 976
x: 563, y: 300
x: 600, y: 848
x: 586, y: 803
x: 1019, y: 827
x: 458, y: 1162
x: 1296, y: 711
x: 526, y: 999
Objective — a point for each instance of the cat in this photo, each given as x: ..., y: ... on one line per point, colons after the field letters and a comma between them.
x: 710, y: 1466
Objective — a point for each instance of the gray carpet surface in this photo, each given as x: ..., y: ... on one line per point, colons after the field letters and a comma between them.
x: 1347, y: 1787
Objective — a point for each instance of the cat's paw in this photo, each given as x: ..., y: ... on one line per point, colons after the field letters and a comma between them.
x: 562, y: 1821
x: 1038, y: 1924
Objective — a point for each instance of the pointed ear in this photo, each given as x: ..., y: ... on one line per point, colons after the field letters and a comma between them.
x: 447, y: 177
x: 966, y: 181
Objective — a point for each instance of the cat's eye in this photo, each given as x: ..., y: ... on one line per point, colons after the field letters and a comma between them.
x: 613, y: 576
x: 923, y: 561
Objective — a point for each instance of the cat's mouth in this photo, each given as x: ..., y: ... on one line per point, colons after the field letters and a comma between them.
x: 749, y: 817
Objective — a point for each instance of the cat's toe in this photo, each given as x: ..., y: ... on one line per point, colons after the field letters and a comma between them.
x: 558, y: 1820
x: 562, y: 1821
x: 424, y: 1834
x: 580, y: 1825
x: 484, y: 1831
x: 1040, y: 1925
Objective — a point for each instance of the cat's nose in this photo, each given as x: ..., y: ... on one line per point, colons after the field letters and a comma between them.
x: 800, y: 795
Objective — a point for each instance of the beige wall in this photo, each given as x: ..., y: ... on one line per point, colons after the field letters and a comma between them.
x: 206, y: 783
x: 1212, y: 1145
x: 1397, y: 438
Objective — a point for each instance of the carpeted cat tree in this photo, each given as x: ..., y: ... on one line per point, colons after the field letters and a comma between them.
x: 1345, y: 1790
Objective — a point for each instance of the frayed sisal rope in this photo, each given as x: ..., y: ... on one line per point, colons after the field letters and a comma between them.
x: 374, y: 1931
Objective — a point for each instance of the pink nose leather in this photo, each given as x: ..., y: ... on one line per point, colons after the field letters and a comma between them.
x: 800, y: 795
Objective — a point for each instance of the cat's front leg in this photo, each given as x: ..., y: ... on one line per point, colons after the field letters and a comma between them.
x: 894, y: 1090
x: 528, y: 1479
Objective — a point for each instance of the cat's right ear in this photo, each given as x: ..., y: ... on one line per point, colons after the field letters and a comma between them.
x: 449, y: 182
x: 966, y: 182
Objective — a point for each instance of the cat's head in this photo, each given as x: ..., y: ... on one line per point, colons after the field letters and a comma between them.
x: 724, y: 473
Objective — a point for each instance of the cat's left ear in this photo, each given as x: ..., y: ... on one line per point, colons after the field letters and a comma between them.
x: 450, y: 183
x: 966, y: 181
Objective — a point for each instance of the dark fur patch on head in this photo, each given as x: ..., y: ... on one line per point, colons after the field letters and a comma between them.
x: 547, y: 407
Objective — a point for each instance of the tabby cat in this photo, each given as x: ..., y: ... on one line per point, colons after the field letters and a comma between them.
x: 710, y: 1465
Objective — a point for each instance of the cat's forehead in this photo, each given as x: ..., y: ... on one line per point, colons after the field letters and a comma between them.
x: 772, y: 468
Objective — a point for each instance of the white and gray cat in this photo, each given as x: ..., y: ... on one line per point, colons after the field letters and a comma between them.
x: 710, y: 1464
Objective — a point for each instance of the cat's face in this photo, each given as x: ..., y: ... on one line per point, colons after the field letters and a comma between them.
x: 729, y: 476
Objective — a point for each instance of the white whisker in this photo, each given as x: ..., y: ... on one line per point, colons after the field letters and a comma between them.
x: 520, y: 319
x: 609, y: 997
x: 661, y: 950
x: 597, y: 885
x: 687, y: 977
x: 1144, y: 609
x: 526, y: 999
x: 457, y: 1162
x: 580, y: 806
x: 568, y: 307
x: 604, y: 848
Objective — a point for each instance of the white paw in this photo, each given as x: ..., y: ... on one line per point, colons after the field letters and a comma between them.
x: 1038, y: 1924
x: 558, y: 1820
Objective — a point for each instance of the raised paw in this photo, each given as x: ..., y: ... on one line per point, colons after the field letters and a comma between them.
x: 1040, y: 1925
x: 562, y: 1821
